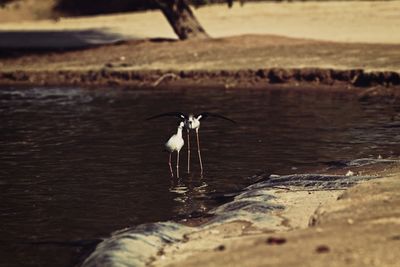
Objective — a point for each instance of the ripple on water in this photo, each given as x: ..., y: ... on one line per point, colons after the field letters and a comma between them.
x: 82, y: 163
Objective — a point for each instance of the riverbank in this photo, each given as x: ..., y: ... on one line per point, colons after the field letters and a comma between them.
x: 299, y: 219
x: 355, y: 84
x: 356, y: 227
x: 249, y: 50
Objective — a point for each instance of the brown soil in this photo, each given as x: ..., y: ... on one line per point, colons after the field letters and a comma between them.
x: 214, y: 62
x: 233, y: 53
x: 45, y: 52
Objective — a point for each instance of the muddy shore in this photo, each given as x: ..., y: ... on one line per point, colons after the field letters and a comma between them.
x: 248, y: 61
x: 247, y: 78
x: 308, y: 220
x: 381, y: 86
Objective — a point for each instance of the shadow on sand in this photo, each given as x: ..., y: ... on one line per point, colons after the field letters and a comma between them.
x: 50, y: 40
x: 18, y: 43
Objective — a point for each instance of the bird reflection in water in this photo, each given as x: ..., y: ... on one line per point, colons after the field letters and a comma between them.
x: 190, y: 196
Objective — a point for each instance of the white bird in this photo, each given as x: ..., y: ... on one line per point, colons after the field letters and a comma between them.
x: 192, y: 122
x: 175, y: 143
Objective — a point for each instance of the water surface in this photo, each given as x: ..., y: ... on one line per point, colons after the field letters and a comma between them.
x: 77, y: 164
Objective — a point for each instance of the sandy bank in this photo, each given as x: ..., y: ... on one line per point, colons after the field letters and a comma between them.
x: 344, y: 44
x: 351, y: 84
x: 359, y: 227
x: 310, y: 219
x: 342, y: 21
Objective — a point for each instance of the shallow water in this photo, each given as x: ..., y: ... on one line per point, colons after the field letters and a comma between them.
x: 78, y: 164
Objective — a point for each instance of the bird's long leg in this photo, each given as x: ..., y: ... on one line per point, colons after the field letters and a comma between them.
x: 177, y: 164
x: 198, y: 150
x: 170, y: 165
x: 188, y: 151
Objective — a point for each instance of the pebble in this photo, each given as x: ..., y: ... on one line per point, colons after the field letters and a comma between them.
x: 322, y: 249
x: 276, y: 240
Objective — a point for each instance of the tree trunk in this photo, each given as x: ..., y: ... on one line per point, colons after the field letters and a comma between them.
x: 182, y: 19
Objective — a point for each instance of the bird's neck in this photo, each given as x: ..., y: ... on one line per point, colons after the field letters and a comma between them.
x: 179, y: 131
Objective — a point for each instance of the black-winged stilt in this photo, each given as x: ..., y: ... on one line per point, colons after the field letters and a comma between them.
x: 175, y: 143
x: 192, y: 122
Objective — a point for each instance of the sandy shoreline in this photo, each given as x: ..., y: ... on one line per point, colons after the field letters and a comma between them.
x: 311, y: 220
x: 351, y: 84
x: 339, y: 21
x: 299, y: 207
x: 358, y: 226
x: 339, y: 44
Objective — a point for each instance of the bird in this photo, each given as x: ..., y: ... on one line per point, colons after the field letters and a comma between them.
x: 192, y: 122
x: 175, y: 144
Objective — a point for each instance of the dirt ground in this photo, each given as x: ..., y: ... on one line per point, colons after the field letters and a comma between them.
x: 339, y: 44
x: 341, y: 21
x: 247, y: 61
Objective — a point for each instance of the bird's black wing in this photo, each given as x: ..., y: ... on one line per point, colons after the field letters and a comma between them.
x: 215, y: 115
x: 179, y: 115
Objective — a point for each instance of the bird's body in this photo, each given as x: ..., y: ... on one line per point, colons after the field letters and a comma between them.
x: 191, y: 122
x: 175, y: 144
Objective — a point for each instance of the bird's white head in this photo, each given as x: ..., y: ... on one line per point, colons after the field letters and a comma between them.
x: 181, y: 125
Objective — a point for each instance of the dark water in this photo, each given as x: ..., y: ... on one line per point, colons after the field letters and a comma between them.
x: 78, y: 164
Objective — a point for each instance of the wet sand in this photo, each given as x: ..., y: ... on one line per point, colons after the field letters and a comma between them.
x: 310, y: 221
x: 357, y: 227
